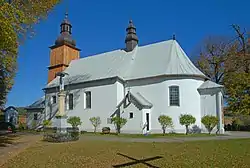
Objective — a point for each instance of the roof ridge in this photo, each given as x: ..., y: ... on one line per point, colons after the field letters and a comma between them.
x: 99, y: 54
x: 155, y: 43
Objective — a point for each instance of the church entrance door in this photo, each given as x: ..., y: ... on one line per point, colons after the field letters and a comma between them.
x: 147, y: 120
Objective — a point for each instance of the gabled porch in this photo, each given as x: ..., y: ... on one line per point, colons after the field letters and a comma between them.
x: 137, y: 110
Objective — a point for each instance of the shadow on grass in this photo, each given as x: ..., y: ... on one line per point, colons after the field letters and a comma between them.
x: 137, y: 161
x: 7, y: 140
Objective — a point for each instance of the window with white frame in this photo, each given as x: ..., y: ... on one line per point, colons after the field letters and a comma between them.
x: 87, y: 104
x: 174, y: 96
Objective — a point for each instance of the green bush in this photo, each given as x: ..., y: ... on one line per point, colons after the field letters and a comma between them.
x: 165, y: 122
x: 96, y: 122
x: 74, y: 121
x: 187, y: 120
x: 209, y: 122
x: 47, y: 123
x: 119, y: 122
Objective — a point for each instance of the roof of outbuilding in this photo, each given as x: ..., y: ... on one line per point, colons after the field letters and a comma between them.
x: 162, y: 58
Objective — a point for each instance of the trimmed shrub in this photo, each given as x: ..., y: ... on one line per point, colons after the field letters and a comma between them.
x: 74, y: 121
x: 165, y: 122
x: 119, y: 122
x: 96, y: 122
x: 209, y: 122
x: 187, y: 120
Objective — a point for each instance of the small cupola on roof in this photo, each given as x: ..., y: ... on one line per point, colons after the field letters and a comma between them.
x: 65, y: 34
x: 131, y: 38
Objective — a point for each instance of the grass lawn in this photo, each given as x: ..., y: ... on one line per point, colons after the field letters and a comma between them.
x: 171, y: 135
x: 99, y: 154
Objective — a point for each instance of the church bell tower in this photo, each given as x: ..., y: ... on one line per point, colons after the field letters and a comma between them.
x: 63, y: 51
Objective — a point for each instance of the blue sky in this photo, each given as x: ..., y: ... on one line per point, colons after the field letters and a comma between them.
x: 99, y: 26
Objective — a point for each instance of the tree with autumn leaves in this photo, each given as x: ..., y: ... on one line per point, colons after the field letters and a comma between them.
x: 17, y: 18
x: 227, y: 62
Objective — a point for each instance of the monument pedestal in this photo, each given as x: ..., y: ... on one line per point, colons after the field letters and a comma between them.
x: 61, y: 124
x: 61, y: 118
x: 61, y: 105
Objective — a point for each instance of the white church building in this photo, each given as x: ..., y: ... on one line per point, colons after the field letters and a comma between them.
x: 139, y: 83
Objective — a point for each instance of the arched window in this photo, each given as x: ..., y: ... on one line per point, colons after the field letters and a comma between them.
x: 174, y: 96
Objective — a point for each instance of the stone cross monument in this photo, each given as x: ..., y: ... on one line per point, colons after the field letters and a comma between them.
x: 61, y: 118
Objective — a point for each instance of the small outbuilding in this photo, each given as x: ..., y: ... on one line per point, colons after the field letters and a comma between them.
x: 11, y: 115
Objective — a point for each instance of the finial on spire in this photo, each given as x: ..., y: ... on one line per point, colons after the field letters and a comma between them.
x: 174, y: 37
x: 66, y: 15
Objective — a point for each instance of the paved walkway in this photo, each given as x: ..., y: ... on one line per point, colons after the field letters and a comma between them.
x: 231, y: 135
x: 11, y: 145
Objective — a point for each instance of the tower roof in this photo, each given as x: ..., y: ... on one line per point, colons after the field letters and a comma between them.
x: 131, y: 38
x: 65, y: 34
x: 131, y: 32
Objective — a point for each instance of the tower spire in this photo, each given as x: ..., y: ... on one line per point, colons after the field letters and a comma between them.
x: 131, y: 38
x: 65, y: 33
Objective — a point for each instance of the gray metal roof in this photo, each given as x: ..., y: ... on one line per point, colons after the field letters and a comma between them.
x: 162, y: 58
x: 138, y: 98
x: 39, y: 104
x: 142, y: 100
x: 209, y: 85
